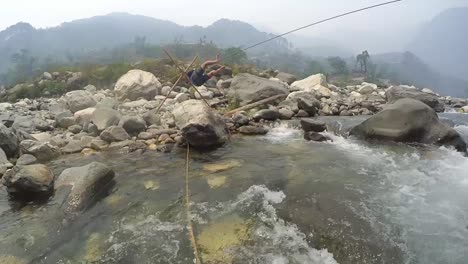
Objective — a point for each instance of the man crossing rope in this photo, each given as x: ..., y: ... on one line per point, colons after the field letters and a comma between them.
x: 199, y: 77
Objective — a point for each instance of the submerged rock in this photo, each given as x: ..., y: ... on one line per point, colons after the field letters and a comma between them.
x: 200, y: 125
x: 137, y: 84
x: 409, y: 120
x: 313, y: 125
x: 81, y: 186
x: 29, y: 180
x: 314, y: 136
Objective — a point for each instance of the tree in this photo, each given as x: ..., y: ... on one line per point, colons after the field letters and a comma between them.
x: 314, y: 67
x: 339, y: 65
x: 363, y: 60
x: 234, y: 56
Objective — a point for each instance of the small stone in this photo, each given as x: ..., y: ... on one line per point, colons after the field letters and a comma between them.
x: 152, y: 147
x: 286, y: 114
x: 75, y: 129
x: 26, y: 159
x: 314, y: 136
x: 163, y: 137
x: 114, y: 134
x: 302, y: 113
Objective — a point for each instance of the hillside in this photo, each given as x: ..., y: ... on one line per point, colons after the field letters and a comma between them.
x: 442, y: 42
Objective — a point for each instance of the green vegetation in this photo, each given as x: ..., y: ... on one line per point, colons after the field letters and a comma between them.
x: 234, y: 56
x: 338, y: 65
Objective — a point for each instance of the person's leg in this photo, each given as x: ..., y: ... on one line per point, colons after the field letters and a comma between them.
x: 208, y: 63
x: 215, y: 72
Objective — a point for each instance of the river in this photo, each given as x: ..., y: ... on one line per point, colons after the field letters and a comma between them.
x: 270, y: 199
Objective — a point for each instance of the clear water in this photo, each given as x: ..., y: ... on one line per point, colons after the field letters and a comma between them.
x: 279, y: 200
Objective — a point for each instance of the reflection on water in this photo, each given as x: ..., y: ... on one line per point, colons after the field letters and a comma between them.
x: 270, y: 199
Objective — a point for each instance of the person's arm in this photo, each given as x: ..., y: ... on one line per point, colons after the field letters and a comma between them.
x: 215, y: 72
x: 207, y: 64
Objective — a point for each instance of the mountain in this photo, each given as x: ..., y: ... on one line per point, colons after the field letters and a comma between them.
x: 109, y: 31
x: 407, y: 68
x: 443, y: 41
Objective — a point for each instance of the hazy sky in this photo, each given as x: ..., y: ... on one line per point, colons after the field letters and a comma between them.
x: 272, y: 15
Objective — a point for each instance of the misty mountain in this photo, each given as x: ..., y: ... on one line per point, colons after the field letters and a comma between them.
x: 407, y: 68
x: 109, y: 31
x: 442, y: 43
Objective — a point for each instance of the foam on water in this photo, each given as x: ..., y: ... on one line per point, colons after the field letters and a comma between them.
x: 279, y: 132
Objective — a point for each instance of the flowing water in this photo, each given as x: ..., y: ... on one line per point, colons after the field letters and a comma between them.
x: 271, y: 199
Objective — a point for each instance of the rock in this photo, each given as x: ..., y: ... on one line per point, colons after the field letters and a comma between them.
x: 137, y: 84
x: 9, y: 142
x: 266, y: 114
x: 464, y: 109
x: 134, y: 146
x: 293, y: 98
x: 367, y: 88
x: 42, y: 125
x: 314, y: 136
x: 75, y: 129
x: 26, y: 159
x: 29, y: 181
x: 135, y: 104
x: 313, y: 125
x: 204, y: 94
x: 74, y: 146
x: 76, y: 80
x: 4, y: 163
x: 113, y: 134
x: 308, y: 84
x: 24, y: 123
x: 110, y: 103
x: 5, y: 107
x: 201, y: 126
x: 286, y: 77
x: 120, y: 144
x: 409, y: 120
x: 83, y: 117
x: 105, y: 117
x: 64, y: 119
x: 310, y: 106
x: 285, y: 114
x: 42, y: 137
x: 241, y: 119
x: 43, y: 151
x: 90, y: 88
x: 98, y: 144
x: 253, y: 130
x: 152, y: 117
x: 80, y: 187
x: 322, y: 91
x: 247, y: 88
x: 395, y: 93
x: 182, y: 97
x: 47, y: 76
x: 133, y: 124
x: 79, y: 100
x: 302, y: 113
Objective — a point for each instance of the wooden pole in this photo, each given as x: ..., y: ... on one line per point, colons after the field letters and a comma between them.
x: 258, y: 103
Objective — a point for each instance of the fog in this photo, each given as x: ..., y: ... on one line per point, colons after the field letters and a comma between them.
x: 382, y: 25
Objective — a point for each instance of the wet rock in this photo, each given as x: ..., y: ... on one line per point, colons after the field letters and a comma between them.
x: 253, y: 130
x: 133, y: 124
x: 200, y: 126
x: 222, y: 166
x: 137, y: 84
x: 314, y: 136
x: 79, y: 187
x: 409, y: 120
x: 266, y: 114
x: 285, y: 114
x: 395, y: 93
x: 9, y: 141
x: 43, y: 151
x: 26, y: 159
x: 79, y: 100
x: 241, y: 119
x: 29, y: 181
x: 286, y: 77
x: 105, y: 117
x: 309, y: 125
x: 74, y: 146
x: 114, y: 134
x: 247, y: 88
x: 4, y: 163
x: 134, y: 146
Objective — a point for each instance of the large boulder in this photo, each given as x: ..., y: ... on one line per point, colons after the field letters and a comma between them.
x: 200, y: 125
x: 395, y: 93
x: 247, y: 88
x: 286, y: 77
x: 133, y: 124
x: 105, y: 117
x: 79, y: 100
x: 8, y: 141
x: 409, y: 120
x: 4, y: 163
x: 114, y: 134
x: 29, y: 181
x: 79, y: 187
x: 313, y: 125
x: 310, y: 83
x: 136, y: 84
x: 83, y: 117
x: 43, y: 151
x: 306, y: 97
x: 266, y: 114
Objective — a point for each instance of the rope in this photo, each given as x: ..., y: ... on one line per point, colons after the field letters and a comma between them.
x: 187, y: 207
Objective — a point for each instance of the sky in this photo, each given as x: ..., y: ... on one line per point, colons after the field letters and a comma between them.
x: 274, y: 16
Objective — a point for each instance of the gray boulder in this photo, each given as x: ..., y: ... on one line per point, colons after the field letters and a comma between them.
x: 9, y: 141
x: 313, y: 125
x: 64, y: 119
x: 105, y: 117
x: 79, y: 100
x: 240, y: 119
x: 74, y: 146
x: 395, y: 93
x: 24, y: 123
x: 43, y: 151
x: 4, y: 163
x: 75, y: 129
x: 314, y: 136
x: 253, y: 130
x: 29, y: 181
x: 114, y: 134
x: 266, y: 114
x: 137, y: 84
x: 309, y: 106
x: 285, y: 114
x: 133, y: 124
x: 152, y: 117
x: 286, y: 77
x: 409, y: 120
x: 292, y: 100
x: 26, y: 159
x: 200, y: 125
x: 79, y: 187
x: 247, y: 88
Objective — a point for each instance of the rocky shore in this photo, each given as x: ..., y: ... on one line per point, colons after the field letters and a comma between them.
x: 127, y: 118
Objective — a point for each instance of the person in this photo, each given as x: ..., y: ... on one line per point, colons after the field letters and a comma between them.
x: 199, y: 77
